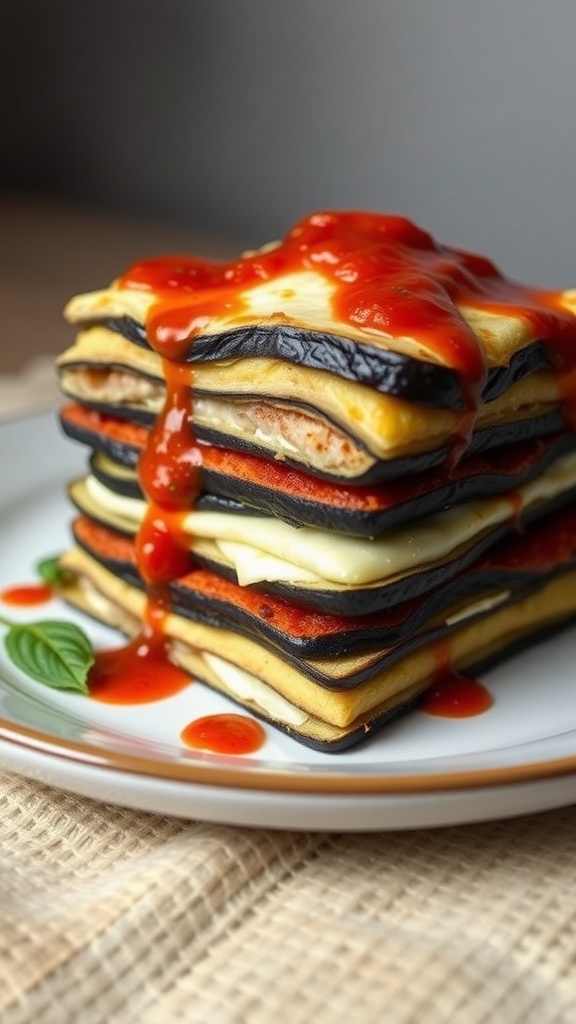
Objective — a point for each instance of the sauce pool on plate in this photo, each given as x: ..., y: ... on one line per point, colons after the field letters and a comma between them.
x: 456, y: 696
x: 224, y: 734
x: 138, y: 673
x: 27, y: 595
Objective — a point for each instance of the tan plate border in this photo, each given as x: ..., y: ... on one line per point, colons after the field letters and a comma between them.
x: 266, y: 779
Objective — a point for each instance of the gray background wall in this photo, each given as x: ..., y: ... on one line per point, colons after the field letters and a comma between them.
x: 240, y: 115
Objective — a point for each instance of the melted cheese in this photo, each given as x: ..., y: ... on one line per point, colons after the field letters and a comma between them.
x: 304, y: 298
x: 245, y: 687
x: 266, y: 549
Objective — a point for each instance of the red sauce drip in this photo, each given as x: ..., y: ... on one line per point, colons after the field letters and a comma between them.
x: 161, y: 551
x: 27, y: 595
x: 169, y: 473
x: 453, y: 695
x: 224, y: 734
x: 170, y: 465
x: 456, y: 696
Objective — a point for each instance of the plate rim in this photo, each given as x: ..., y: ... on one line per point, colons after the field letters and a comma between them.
x: 307, y: 779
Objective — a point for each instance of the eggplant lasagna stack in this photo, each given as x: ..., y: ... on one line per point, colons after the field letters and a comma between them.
x: 345, y: 461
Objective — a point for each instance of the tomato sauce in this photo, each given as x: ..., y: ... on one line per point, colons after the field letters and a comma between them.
x: 456, y: 696
x: 169, y: 471
x: 224, y: 734
x: 453, y: 694
x: 27, y: 595
x: 137, y: 673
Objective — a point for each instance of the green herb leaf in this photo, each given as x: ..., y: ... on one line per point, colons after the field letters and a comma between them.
x: 50, y: 572
x: 56, y: 653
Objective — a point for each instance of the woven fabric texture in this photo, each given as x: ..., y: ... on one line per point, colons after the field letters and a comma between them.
x: 112, y: 916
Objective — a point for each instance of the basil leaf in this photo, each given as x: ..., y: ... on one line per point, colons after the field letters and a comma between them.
x: 53, y: 652
x: 50, y: 572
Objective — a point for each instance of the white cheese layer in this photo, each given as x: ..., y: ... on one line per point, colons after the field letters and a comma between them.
x: 246, y: 687
x: 315, y: 555
x: 485, y: 604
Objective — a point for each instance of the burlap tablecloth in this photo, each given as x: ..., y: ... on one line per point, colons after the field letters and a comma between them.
x: 114, y: 916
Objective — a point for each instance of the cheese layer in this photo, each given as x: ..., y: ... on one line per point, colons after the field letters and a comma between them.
x: 264, y: 549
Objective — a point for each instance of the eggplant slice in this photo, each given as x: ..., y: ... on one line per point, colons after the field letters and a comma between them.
x: 283, y: 302
x: 329, y: 426
x: 272, y: 687
x: 246, y: 484
x: 391, y: 372
x: 510, y: 570
x: 342, y: 574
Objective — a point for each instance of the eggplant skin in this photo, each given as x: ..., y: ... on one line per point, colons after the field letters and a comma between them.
x: 395, y: 634
x: 366, y: 600
x: 383, y: 470
x: 251, y: 496
x: 227, y: 493
x: 360, y: 734
x: 128, y: 327
x: 392, y: 373
x: 380, y: 471
x: 120, y: 452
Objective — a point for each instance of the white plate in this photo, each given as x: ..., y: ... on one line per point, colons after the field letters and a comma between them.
x: 520, y: 756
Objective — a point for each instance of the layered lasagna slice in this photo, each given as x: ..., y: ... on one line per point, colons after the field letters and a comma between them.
x: 342, y: 464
